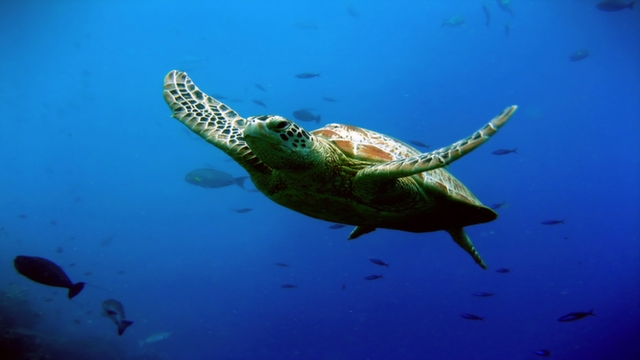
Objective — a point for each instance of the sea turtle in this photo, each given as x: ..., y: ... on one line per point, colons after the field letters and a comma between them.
x: 341, y: 173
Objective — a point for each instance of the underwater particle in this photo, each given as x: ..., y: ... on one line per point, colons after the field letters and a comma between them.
x: 482, y: 294
x: 279, y: 264
x: 542, y: 352
x: 503, y: 270
x: 242, y: 210
x: 288, y: 286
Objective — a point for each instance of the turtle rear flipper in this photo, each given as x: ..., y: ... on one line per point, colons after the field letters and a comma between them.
x: 434, y: 159
x: 461, y: 238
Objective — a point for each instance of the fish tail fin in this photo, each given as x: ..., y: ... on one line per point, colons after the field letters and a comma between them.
x: 515, y: 150
x: 240, y: 181
x: 318, y: 119
x: 591, y: 313
x: 631, y: 5
x: 75, y: 289
x: 124, y: 324
x: 563, y: 222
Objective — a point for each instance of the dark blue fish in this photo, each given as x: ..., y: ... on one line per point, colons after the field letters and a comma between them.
x: 344, y: 286
x: 579, y: 55
x: 553, y: 222
x: 497, y: 205
x: 614, y: 5
x: 379, y: 262
x: 504, y: 151
x: 306, y: 115
x: 288, y: 286
x: 260, y: 87
x: 114, y: 310
x: 482, y: 294
x: 419, y: 144
x: 281, y: 264
x: 329, y: 99
x: 218, y: 96
x: 46, y: 272
x: 503, y: 270
x: 373, y: 277
x: 542, y: 352
x: 487, y: 14
x: 471, y: 317
x: 212, y: 178
x: 505, y: 5
x: 575, y: 316
x: 507, y: 29
x: 307, y: 75
x: 259, y: 103
x: 336, y: 226
x: 242, y: 211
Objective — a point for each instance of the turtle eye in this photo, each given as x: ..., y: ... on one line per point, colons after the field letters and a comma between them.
x: 278, y: 124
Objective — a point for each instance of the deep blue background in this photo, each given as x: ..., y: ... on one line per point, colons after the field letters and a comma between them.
x: 86, y: 140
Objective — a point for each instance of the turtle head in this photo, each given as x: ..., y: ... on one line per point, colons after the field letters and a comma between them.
x: 279, y: 143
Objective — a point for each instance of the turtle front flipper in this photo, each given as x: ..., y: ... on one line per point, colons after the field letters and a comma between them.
x: 210, y: 119
x: 435, y: 159
x: 461, y: 238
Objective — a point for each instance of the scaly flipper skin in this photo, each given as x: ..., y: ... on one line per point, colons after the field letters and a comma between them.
x: 212, y: 120
x: 461, y: 238
x: 434, y: 159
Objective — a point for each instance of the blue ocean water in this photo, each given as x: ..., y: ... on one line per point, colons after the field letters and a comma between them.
x: 93, y: 173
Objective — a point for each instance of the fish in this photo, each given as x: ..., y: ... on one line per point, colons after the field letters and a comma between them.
x: 306, y: 115
x: 218, y: 96
x: 281, y: 264
x: 373, y: 277
x: 154, y: 338
x: 454, y: 21
x: 614, y: 5
x: 352, y: 11
x: 497, y: 206
x: 288, y: 286
x: 46, y: 272
x: 242, y: 210
x: 482, y: 294
x: 260, y: 87
x: 53, y: 222
x: 575, y: 316
x: 471, y: 317
x: 503, y: 270
x: 259, y: 103
x: 542, y: 352
x: 553, y: 222
x: 507, y: 29
x: 23, y: 216
x: 487, y: 13
x: 59, y: 250
x: 579, y: 55
x: 306, y: 75
x: 504, y: 151
x: 379, y: 262
x: 344, y: 286
x: 337, y: 226
x: 114, y: 310
x: 88, y: 273
x: 212, y: 178
x: 505, y: 5
x: 419, y: 144
x: 329, y: 99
